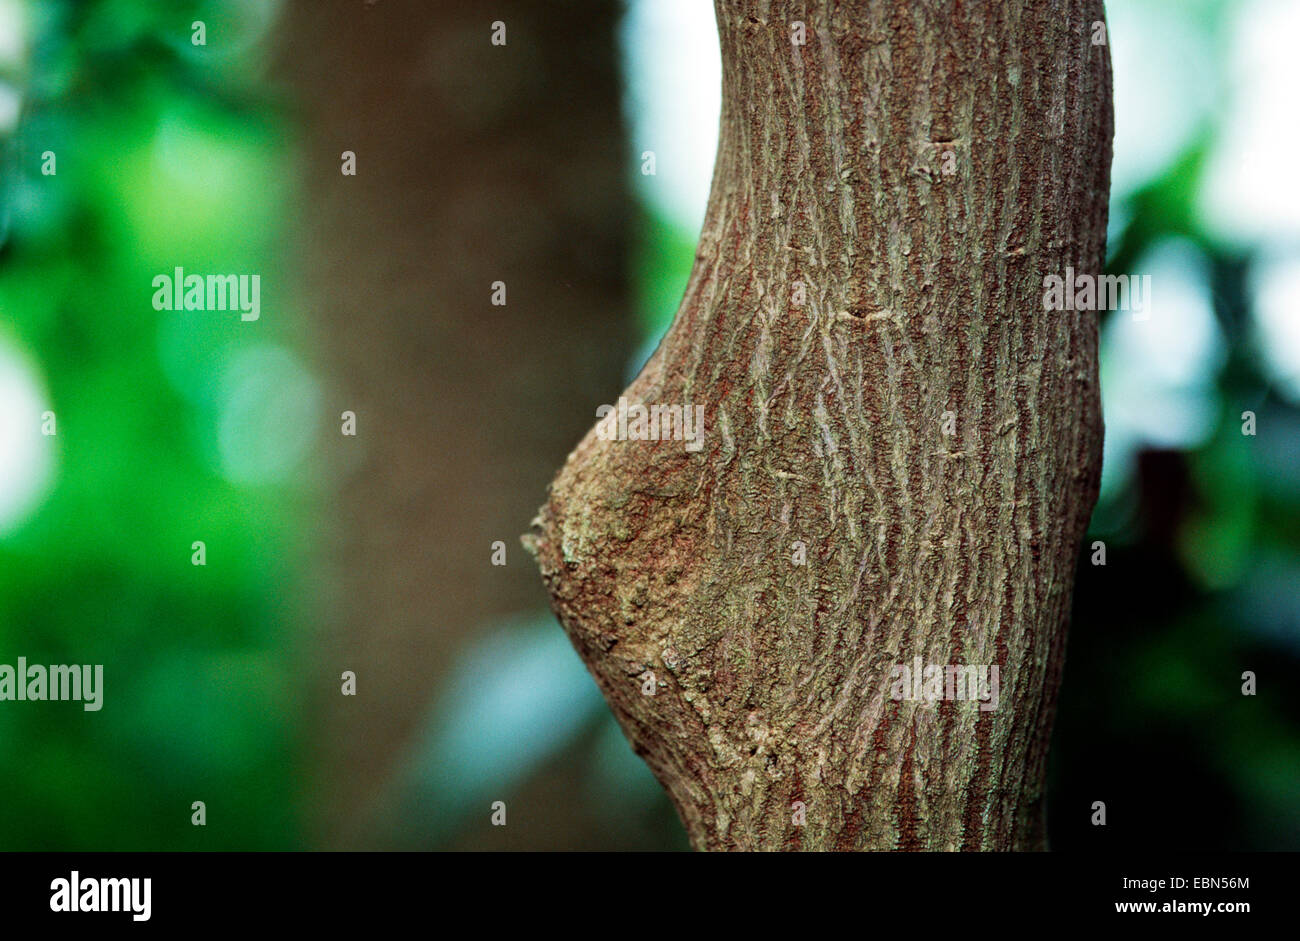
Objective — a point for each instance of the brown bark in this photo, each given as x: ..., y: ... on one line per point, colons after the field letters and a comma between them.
x: 475, y: 163
x: 824, y: 423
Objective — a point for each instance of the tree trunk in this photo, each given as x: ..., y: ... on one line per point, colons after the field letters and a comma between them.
x: 467, y: 173
x: 919, y: 422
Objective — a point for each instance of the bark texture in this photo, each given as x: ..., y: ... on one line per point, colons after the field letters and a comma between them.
x: 824, y: 424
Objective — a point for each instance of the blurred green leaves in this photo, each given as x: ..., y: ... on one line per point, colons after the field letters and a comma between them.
x: 165, y: 157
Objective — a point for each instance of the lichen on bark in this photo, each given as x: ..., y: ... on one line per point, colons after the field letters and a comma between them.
x: 918, y: 168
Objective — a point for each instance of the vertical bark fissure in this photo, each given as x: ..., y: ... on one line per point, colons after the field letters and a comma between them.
x: 825, y: 424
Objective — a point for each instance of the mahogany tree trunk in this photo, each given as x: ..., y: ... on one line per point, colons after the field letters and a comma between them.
x: 884, y: 391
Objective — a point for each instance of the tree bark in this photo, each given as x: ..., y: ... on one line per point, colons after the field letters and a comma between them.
x: 468, y: 173
x: 920, y: 167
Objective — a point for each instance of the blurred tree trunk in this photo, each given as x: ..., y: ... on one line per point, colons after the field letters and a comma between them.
x: 475, y: 163
x: 914, y: 417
